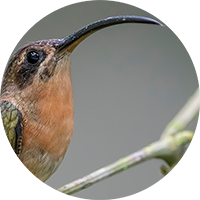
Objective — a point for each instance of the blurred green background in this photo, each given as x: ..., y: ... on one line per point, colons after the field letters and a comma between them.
x: 128, y: 82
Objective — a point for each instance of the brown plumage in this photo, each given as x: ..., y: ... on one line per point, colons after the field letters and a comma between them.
x: 37, y: 100
x: 47, y: 109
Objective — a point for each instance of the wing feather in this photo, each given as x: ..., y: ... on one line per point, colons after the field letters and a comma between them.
x: 12, y: 121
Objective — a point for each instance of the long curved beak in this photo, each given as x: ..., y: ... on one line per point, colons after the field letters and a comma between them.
x: 68, y: 44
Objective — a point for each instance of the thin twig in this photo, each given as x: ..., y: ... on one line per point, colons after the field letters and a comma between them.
x: 184, y: 116
x: 167, y: 149
x: 170, y: 148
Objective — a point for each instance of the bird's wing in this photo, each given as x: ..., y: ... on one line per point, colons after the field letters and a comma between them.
x: 12, y: 121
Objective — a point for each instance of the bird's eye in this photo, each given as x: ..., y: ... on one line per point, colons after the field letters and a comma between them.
x: 33, y: 57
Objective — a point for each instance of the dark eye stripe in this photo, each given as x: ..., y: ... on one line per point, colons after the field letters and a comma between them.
x: 32, y: 60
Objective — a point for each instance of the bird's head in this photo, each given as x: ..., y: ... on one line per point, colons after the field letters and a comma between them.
x: 38, y: 62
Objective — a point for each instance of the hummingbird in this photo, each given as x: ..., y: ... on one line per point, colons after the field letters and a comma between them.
x: 37, y: 99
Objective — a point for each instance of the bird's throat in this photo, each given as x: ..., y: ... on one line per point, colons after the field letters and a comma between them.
x: 52, y: 128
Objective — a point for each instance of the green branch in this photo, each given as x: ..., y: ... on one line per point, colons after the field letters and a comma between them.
x: 184, y: 116
x: 170, y: 148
